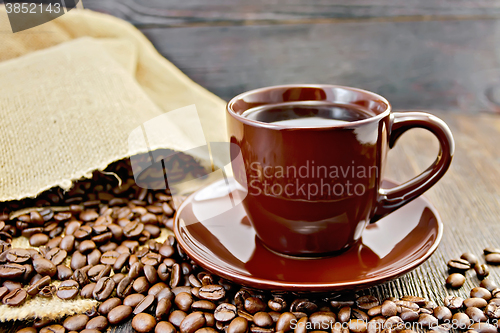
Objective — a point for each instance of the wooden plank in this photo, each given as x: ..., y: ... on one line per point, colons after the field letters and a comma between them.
x: 175, y: 13
x: 445, y: 65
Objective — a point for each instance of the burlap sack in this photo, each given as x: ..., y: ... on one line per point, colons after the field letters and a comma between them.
x: 69, y: 109
x: 73, y: 90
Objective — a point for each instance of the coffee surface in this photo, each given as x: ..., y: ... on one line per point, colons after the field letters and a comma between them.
x: 308, y: 114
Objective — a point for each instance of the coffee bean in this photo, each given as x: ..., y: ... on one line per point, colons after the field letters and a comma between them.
x: 455, y: 280
x: 67, y: 243
x: 166, y: 251
x: 119, y: 314
x: 472, y: 259
x: 120, y: 261
x: 18, y: 256
x: 284, y: 322
x: 76, y: 322
x: 356, y: 326
x: 490, y: 250
x: 262, y: 319
x: 183, y: 301
x: 212, y: 292
x: 321, y: 320
x: 143, y: 322
x: 94, y: 272
x: 238, y: 325
x: 35, y: 288
x: 492, y: 258
x: 166, y: 293
x: 181, y: 289
x: 94, y: 257
x: 176, y: 317
x: 492, y: 311
x: 145, y: 304
x: 15, y: 297
x: 203, y: 306
x: 124, y: 288
x: 277, y: 304
x: 175, y: 275
x: 427, y: 320
x: 163, y: 308
x: 166, y: 327
x: 118, y: 278
x: 56, y: 256
x: 109, y: 258
x: 192, y: 322
x: 133, y: 299
x: 55, y: 240
x: 44, y: 267
x: 141, y: 285
x: 99, y: 323
x: 344, y: 314
x: 11, y: 285
x: 3, y: 291
x: 86, y: 246
x: 420, y: 301
x: 254, y: 305
x: 458, y: 265
x: 359, y: 314
x: 483, y: 328
x: 56, y: 328
x: 461, y: 320
x: 389, y: 309
x: 133, y: 229
x: 475, y: 314
x: 11, y: 271
x: 367, y: 302
x: 453, y: 302
x: 78, y: 260
x: 377, y: 310
x: 394, y: 322
x: 163, y: 272
x: 481, y: 293
x: 409, y: 315
x: 39, y: 322
x: 482, y: 271
x: 488, y: 284
x: 135, y: 270
x: 27, y: 330
x: 475, y: 302
x: 150, y: 273
x: 225, y: 312
x: 303, y: 305
x: 68, y: 289
x: 157, y: 288
x: 104, y: 288
x: 442, y: 313
x: 108, y: 305
x: 38, y: 239
x: 152, y: 259
x: 402, y: 305
x: 88, y: 290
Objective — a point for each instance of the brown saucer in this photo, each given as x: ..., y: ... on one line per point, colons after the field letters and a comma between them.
x: 212, y: 228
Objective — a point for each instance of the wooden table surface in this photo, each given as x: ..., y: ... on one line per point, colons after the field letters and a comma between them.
x: 441, y: 56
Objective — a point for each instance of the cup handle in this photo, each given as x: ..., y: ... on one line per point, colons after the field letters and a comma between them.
x: 394, y: 198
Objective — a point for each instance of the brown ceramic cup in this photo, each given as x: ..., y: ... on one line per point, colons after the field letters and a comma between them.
x: 313, y: 190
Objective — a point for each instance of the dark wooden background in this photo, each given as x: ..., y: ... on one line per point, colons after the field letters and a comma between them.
x: 438, y: 55
x: 432, y: 54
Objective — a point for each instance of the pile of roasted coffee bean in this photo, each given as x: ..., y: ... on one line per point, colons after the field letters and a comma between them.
x: 99, y: 241
x: 458, y: 268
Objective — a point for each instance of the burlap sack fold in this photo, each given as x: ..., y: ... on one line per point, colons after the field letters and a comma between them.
x: 73, y: 90
x: 69, y: 105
